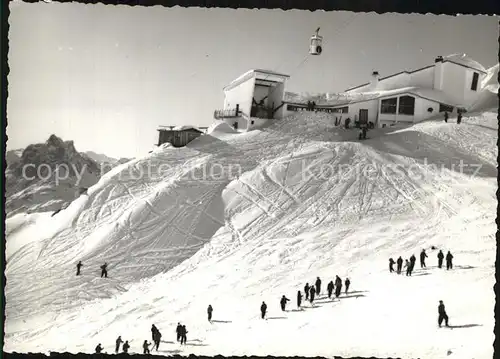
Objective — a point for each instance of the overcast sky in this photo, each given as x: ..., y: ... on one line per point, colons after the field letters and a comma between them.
x: 106, y: 76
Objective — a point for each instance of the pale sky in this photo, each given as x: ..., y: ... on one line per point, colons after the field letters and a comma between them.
x: 107, y: 76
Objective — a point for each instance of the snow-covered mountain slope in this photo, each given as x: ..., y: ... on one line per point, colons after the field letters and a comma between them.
x: 488, y: 95
x: 106, y: 163
x: 235, y: 219
x: 47, y: 177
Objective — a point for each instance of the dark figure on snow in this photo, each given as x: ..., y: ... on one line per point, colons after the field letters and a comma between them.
x: 400, y: 264
x: 413, y: 259
x: 459, y: 118
x: 329, y: 288
x: 318, y: 286
x: 104, y: 270
x: 126, y: 346
x: 309, y: 105
x: 347, y: 284
x: 338, y: 286
x: 98, y: 348
x: 283, y: 302
x: 313, y: 105
x: 440, y: 258
x: 145, y: 346
x: 154, y: 330
x: 312, y: 292
x: 442, y: 314
x: 183, y: 334
x: 347, y: 122
x: 78, y: 267
x: 391, y: 265
x: 446, y: 116
x: 209, y: 312
x: 408, y: 267
x: 156, y: 339
x: 449, y: 259
x: 178, y: 331
x: 299, y: 298
x: 263, y: 310
x: 306, y: 290
x: 423, y: 255
x: 118, y: 343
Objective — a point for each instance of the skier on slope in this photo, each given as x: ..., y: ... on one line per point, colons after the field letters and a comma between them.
x: 306, y: 290
x: 104, y: 271
x: 391, y: 265
x: 408, y: 267
x: 318, y: 286
x: 154, y: 330
x: 440, y: 257
x: 178, y: 331
x: 442, y: 314
x: 413, y: 259
x: 400, y: 264
x: 312, y: 292
x: 338, y: 286
x: 283, y: 302
x: 118, y: 342
x: 423, y: 255
x: 347, y: 284
x: 209, y: 312
x: 299, y: 299
x: 183, y: 334
x: 78, y: 267
x: 449, y: 259
x: 329, y: 288
x: 263, y: 309
x: 156, y: 340
x: 145, y: 346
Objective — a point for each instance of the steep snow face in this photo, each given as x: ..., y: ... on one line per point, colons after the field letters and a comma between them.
x: 48, y: 176
x: 243, y: 218
x: 488, y: 95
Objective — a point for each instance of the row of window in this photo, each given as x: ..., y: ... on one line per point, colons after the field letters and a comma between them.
x: 406, y: 105
x: 320, y: 109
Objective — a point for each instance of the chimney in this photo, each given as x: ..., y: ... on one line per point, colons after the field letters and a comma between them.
x: 438, y: 73
x: 439, y: 59
x: 374, y: 80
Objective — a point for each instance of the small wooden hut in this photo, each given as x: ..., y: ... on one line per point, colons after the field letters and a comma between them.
x: 178, y: 136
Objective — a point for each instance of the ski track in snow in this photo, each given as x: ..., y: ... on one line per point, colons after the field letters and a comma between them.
x: 175, y: 243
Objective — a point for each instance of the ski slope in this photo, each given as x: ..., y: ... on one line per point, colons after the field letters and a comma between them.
x: 235, y: 219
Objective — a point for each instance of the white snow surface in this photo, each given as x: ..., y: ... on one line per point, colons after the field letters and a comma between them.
x: 246, y: 218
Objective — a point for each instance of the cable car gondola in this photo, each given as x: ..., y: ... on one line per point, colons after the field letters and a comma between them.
x: 316, y: 44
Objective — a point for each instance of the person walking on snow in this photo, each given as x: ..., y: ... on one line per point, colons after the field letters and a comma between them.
x: 408, y: 267
x: 183, y: 334
x: 145, y: 346
x: 263, y: 309
x: 400, y: 264
x: 391, y: 265
x: 413, y: 259
x: 312, y: 292
x: 440, y: 258
x: 318, y: 286
x: 157, y: 340
x: 104, y: 271
x: 338, y: 286
x: 329, y: 288
x: 449, y: 258
x: 306, y: 290
x: 78, y: 267
x: 98, y: 348
x: 126, y: 346
x: 347, y: 284
x: 283, y: 302
x: 154, y: 330
x: 423, y: 255
x: 178, y: 331
x: 442, y: 314
x: 118, y: 342
x: 209, y: 311
x: 299, y: 299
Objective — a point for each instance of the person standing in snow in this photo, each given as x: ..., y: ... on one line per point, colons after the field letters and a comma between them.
x: 391, y: 265
x: 318, y: 286
x: 98, y: 348
x: 156, y: 340
x: 118, y: 342
x: 446, y: 116
x: 299, y: 299
x: 154, y: 330
x: 145, y: 346
x: 126, y: 347
x: 183, y: 334
x: 407, y: 266
x: 449, y: 258
x: 338, y: 286
x: 459, y: 117
x: 104, y: 271
x: 400, y: 264
x: 78, y: 267
x: 347, y: 284
x: 329, y: 288
x: 442, y: 314
x: 306, y: 290
x: 209, y: 311
x: 283, y: 302
x: 440, y: 258
x: 413, y: 259
x: 178, y: 331
x: 263, y: 309
x: 423, y: 255
x: 312, y: 292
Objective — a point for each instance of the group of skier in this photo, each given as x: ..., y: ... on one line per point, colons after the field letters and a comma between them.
x: 410, y: 263
x: 310, y: 293
x: 104, y: 269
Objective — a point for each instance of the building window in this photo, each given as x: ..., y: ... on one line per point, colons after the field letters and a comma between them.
x: 445, y: 108
x: 407, y: 105
x: 388, y: 106
x: 344, y: 109
x: 475, y: 79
